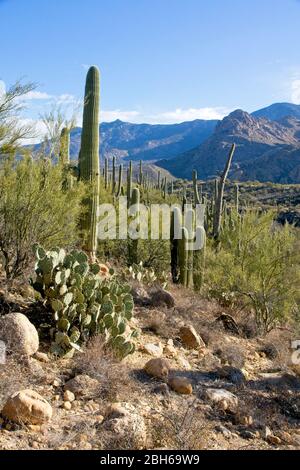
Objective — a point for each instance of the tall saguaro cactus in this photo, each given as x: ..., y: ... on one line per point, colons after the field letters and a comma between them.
x: 89, y: 166
x: 219, y: 201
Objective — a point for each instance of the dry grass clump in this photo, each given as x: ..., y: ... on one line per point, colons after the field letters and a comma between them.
x: 99, y: 362
x: 14, y: 375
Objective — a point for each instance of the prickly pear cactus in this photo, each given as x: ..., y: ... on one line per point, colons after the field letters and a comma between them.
x: 84, y: 301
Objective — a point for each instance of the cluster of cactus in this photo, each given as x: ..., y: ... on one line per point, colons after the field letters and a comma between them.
x: 187, y: 264
x: 83, y: 301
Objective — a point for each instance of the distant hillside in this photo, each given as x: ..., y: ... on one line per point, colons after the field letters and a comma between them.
x: 266, y: 150
x: 128, y: 141
x: 268, y: 143
x: 277, y: 111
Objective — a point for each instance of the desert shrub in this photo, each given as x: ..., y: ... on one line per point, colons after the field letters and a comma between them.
x: 34, y: 209
x: 258, y: 265
x: 85, y: 299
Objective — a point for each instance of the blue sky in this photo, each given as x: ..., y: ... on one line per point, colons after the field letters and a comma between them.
x: 160, y: 60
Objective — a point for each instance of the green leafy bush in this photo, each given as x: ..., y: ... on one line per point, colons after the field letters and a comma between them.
x: 258, y: 265
x: 84, y: 300
x: 34, y: 209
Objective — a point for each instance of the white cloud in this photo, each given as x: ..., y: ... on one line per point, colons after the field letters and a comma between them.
x: 132, y: 116
x: 36, y: 95
x: 295, y: 91
x: 167, y: 117
x: 180, y: 115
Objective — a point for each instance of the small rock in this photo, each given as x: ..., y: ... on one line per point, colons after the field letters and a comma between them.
x: 247, y: 434
x: 285, y: 437
x: 27, y: 407
x: 232, y: 374
x: 161, y: 297
x: 42, y: 357
x: 244, y: 420
x: 221, y: 396
x: 190, y: 337
x: 34, y: 427
x: 184, y: 363
x: 128, y: 428
x: 35, y: 445
x: 56, y: 383
x: 162, y: 389
x: 155, y: 350
x: 269, y: 350
x: 82, y: 385
x: 158, y: 368
x: 140, y: 295
x: 169, y: 349
x: 69, y: 396
x: 274, y: 440
x: 181, y: 385
x: 99, y: 419
x: 19, y: 335
x: 226, y: 433
x: 116, y: 410
x: 67, y: 405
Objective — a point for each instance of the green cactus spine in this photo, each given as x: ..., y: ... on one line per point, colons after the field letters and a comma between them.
x: 89, y: 166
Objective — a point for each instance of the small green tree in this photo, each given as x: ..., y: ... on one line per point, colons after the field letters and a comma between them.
x: 13, y: 132
x: 259, y: 264
x: 34, y: 209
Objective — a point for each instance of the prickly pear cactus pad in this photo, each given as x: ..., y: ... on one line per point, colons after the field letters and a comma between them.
x: 83, y: 301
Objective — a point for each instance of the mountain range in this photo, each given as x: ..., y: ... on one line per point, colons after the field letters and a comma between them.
x: 266, y: 150
x: 268, y: 144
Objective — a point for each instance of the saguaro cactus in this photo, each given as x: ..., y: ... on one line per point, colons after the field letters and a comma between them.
x: 129, y: 183
x: 236, y: 197
x: 133, y: 244
x: 175, y: 227
x: 219, y: 201
x: 113, y: 175
x: 64, y: 149
x: 183, y: 257
x: 195, y: 186
x: 89, y: 166
x: 120, y: 180
x: 141, y: 173
x: 199, y: 258
x: 105, y: 173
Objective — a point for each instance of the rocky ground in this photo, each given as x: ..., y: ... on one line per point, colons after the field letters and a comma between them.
x: 197, y: 381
